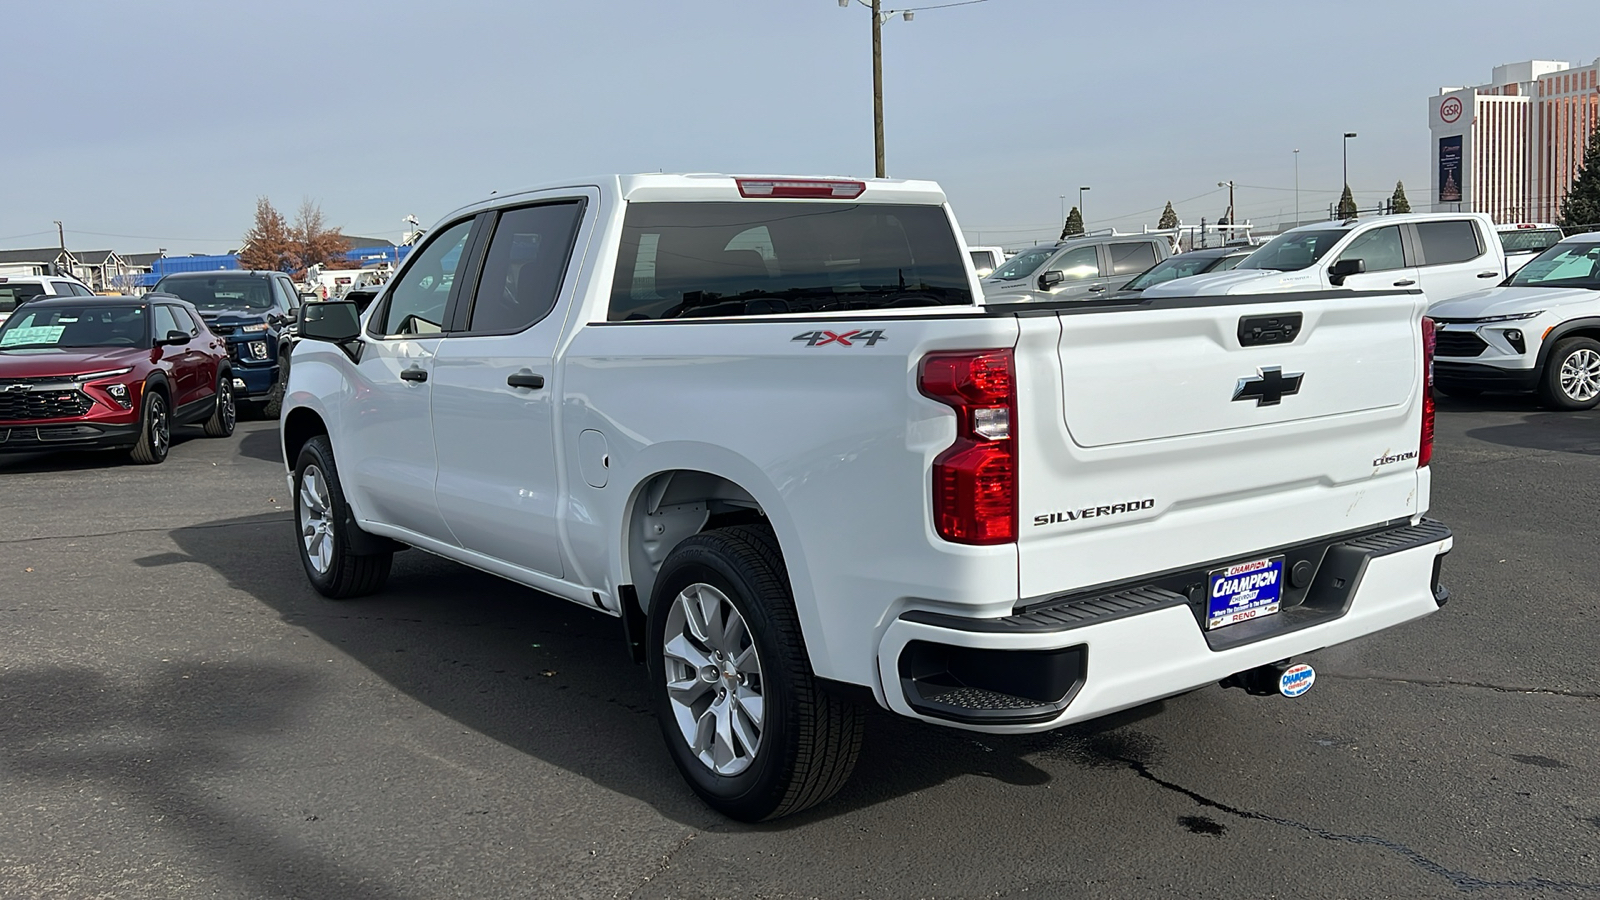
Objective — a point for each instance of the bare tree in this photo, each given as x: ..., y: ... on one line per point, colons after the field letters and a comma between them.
x: 316, y: 243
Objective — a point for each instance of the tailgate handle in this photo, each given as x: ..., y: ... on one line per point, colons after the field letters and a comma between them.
x: 1255, y: 331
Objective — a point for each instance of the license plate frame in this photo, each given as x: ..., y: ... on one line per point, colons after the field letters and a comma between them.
x: 1248, y: 590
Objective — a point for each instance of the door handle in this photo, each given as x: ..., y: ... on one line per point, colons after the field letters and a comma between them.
x: 525, y: 380
x: 418, y: 375
x: 1405, y: 282
x: 1095, y: 289
x: 1488, y: 274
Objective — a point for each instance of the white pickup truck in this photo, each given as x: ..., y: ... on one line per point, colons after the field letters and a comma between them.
x: 767, y: 423
x: 1445, y: 255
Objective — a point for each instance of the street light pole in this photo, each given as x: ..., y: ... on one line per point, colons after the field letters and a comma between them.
x: 1080, y: 206
x: 1063, y: 207
x: 1347, y: 136
x: 1297, y: 187
x: 1229, y: 185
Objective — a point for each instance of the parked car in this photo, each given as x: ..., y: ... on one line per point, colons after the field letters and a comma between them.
x: 1082, y: 268
x: 1443, y: 255
x: 1523, y: 241
x: 1195, y: 262
x: 766, y: 424
x: 18, y: 289
x: 986, y: 259
x: 255, y: 312
x: 1538, y: 332
x: 110, y: 372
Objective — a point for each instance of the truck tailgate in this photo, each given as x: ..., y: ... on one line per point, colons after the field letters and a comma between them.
x: 1176, y: 433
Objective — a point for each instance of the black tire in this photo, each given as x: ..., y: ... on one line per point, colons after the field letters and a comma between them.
x: 1575, y: 356
x: 344, y: 573
x: 809, y: 739
x: 225, y: 413
x: 155, y: 430
x: 272, y: 406
x: 1460, y: 393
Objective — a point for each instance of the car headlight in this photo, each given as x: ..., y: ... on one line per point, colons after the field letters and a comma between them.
x: 119, y: 393
x: 1514, y: 317
x: 258, y: 349
x: 93, y: 376
x: 255, y: 329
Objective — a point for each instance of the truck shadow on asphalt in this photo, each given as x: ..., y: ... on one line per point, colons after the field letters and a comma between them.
x: 552, y: 679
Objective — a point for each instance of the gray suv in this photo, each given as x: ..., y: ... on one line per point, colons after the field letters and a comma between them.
x: 1082, y: 268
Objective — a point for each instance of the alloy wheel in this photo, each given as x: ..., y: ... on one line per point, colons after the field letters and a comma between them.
x: 316, y: 519
x: 160, y: 430
x: 714, y: 682
x: 1580, y: 375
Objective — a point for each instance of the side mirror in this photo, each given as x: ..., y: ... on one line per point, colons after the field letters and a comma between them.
x: 335, y: 321
x: 1344, y: 268
x: 1051, y: 278
x: 175, y: 338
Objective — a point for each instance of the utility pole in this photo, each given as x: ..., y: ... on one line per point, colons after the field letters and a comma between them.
x: 877, y: 84
x: 1229, y: 185
x: 61, y: 238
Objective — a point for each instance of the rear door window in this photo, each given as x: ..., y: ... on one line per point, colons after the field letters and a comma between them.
x: 1132, y: 258
x: 1448, y: 242
x: 1079, y: 264
x: 522, y: 274
x: 697, y: 260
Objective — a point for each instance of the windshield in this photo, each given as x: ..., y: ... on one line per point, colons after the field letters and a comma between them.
x: 1565, y: 266
x: 13, y: 294
x: 76, y: 326
x: 1181, y: 266
x: 1293, y: 250
x: 1023, y: 264
x: 220, y: 291
x: 694, y: 260
x: 1529, y: 240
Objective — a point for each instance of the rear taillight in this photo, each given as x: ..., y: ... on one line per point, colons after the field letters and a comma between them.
x: 1425, y: 450
x: 975, y: 479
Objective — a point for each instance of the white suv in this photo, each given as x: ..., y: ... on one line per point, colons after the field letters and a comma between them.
x: 1539, y: 331
x: 18, y: 289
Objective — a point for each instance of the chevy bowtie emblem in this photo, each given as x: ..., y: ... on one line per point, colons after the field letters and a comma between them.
x: 1269, y: 387
x: 17, y: 388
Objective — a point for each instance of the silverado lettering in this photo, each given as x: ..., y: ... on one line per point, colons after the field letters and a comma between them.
x: 1090, y: 512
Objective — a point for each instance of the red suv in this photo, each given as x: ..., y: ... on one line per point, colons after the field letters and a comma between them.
x: 89, y: 372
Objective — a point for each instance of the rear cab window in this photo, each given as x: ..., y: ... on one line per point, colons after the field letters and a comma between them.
x: 717, y: 259
x: 1530, y: 240
x: 13, y: 293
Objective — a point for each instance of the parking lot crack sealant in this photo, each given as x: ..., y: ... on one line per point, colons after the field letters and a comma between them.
x: 1461, y: 880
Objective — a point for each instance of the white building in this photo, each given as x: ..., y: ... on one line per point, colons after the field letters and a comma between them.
x: 1510, y: 148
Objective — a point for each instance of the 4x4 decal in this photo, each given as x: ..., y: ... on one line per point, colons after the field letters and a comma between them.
x: 847, y: 339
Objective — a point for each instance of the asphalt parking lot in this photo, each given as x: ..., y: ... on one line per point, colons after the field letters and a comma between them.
x: 181, y: 716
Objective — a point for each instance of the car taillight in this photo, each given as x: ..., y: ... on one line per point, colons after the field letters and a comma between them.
x: 1425, y: 451
x: 806, y: 188
x: 975, y: 479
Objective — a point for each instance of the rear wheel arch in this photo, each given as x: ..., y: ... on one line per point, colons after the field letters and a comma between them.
x: 672, y: 506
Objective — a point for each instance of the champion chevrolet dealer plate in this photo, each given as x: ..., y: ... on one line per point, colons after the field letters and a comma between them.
x: 1244, y: 592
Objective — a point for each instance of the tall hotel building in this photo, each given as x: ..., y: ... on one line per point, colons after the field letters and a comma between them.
x: 1511, y: 147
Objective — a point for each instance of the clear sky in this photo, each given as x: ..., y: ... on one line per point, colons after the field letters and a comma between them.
x: 156, y: 124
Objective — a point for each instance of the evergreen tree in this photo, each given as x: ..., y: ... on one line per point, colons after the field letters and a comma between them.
x: 1347, y: 205
x: 1169, y: 218
x: 1581, y: 206
x: 1398, y: 203
x: 1074, y: 224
